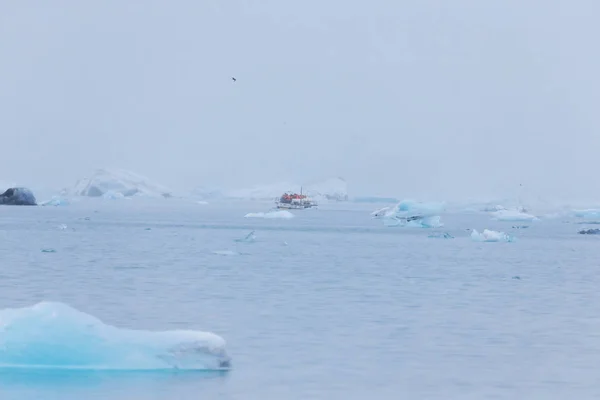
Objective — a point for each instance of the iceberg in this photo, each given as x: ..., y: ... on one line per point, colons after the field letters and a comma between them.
x: 410, y: 213
x: 53, y: 335
x: 18, y: 196
x: 491, y: 236
x: 271, y: 215
x: 111, y: 183
x: 513, y: 216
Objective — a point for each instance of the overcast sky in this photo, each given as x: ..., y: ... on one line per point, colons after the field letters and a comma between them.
x: 434, y: 98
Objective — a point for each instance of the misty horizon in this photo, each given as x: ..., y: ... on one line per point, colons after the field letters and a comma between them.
x: 427, y: 99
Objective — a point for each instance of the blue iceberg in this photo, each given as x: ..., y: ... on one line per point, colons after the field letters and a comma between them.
x: 410, y: 213
x: 52, y: 335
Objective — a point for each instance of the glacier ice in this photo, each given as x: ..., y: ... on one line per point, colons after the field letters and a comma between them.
x: 116, y: 182
x: 283, y: 214
x: 513, y: 216
x: 54, y: 335
x: 490, y: 236
x: 410, y: 213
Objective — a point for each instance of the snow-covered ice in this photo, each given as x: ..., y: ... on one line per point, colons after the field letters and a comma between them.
x: 53, y: 335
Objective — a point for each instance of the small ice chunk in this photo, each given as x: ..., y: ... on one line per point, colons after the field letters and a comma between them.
x: 226, y: 253
x: 491, y: 236
x: 441, y: 235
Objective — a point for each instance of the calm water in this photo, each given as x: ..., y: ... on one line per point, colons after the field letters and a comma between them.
x: 329, y: 305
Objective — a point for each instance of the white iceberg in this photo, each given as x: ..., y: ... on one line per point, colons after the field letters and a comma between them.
x: 491, y: 236
x: 513, y: 215
x: 283, y: 214
x: 53, y: 335
x: 114, y: 183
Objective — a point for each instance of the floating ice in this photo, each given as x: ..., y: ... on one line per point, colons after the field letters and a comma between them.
x: 589, y: 213
x: 410, y: 213
x: 491, y: 236
x: 226, y: 253
x: 56, y: 201
x: 283, y: 214
x: 441, y: 235
x: 513, y: 215
x: 55, y: 336
x: 592, y: 231
x: 125, y: 183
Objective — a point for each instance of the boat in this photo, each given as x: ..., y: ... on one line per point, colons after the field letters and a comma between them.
x: 295, y: 201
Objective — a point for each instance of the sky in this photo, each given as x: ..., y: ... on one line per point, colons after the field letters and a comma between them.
x: 431, y: 98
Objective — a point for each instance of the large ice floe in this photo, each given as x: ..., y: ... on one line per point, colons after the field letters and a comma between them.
x: 410, y: 213
x: 52, y: 335
x: 116, y: 183
x: 283, y: 214
x: 491, y: 236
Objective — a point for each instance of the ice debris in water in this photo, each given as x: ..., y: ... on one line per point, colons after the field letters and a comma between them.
x: 283, y: 214
x: 226, y: 252
x: 62, y: 227
x: 251, y: 237
x: 513, y: 215
x: 491, y: 236
x: 53, y: 335
x: 441, y: 235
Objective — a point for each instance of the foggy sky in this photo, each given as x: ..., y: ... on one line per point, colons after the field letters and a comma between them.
x: 440, y: 99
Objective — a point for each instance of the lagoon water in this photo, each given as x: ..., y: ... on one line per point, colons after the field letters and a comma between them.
x: 328, y: 305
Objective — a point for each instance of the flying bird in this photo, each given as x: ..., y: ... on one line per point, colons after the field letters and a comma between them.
x: 233, y: 79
